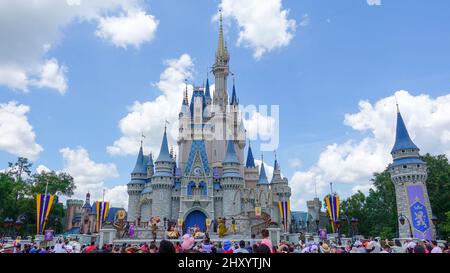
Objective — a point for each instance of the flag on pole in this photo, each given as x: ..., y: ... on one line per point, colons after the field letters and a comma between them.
x: 44, y: 203
x: 333, y: 206
x: 285, y: 209
x: 102, y: 212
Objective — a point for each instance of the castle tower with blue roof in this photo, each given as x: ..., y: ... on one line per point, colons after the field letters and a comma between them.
x: 409, y: 175
x: 211, y: 177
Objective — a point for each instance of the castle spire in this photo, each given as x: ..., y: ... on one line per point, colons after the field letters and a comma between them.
x: 222, y: 53
x: 164, y: 155
x: 250, y: 159
x: 140, y: 166
x: 402, y: 138
x: 234, y: 100
x: 262, y: 175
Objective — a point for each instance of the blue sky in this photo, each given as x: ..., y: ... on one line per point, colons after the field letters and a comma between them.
x: 341, y: 52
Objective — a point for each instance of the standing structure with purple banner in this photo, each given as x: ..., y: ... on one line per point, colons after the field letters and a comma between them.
x: 409, y: 175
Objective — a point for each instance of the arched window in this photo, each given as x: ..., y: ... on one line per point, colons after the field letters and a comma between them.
x: 190, y: 188
x: 203, y: 188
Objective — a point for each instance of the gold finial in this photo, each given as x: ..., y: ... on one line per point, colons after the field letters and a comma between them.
x: 275, y: 154
x: 262, y: 158
x: 186, y: 92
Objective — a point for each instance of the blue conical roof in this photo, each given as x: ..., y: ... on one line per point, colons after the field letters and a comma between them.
x: 164, y: 155
x: 234, y: 100
x: 250, y: 159
x: 230, y: 157
x: 402, y: 139
x: 262, y: 176
x: 207, y: 91
x: 140, y: 166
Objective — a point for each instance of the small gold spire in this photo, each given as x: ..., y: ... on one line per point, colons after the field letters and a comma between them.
x: 221, y: 50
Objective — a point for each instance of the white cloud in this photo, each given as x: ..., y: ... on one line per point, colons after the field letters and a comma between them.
x: 305, y: 20
x: 259, y: 125
x: 53, y: 76
x: 374, y: 2
x: 90, y: 176
x: 117, y: 196
x: 295, y: 163
x: 354, y: 162
x: 30, y: 28
x: 263, y: 25
x: 42, y: 169
x: 17, y: 135
x: 148, y: 117
x: 133, y: 28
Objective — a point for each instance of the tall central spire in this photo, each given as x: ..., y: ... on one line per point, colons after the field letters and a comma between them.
x: 221, y: 69
x: 222, y: 53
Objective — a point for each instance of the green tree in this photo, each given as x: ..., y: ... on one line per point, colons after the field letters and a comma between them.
x: 18, y: 189
x: 377, y: 211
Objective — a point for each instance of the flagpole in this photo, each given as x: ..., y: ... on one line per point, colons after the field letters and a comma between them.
x: 43, y: 208
x: 102, y: 210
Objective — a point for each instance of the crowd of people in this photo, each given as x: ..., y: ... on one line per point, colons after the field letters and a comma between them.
x: 188, y: 244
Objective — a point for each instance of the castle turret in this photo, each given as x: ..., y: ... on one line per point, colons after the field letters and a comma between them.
x: 250, y: 171
x: 136, y: 185
x: 163, y: 181
x: 281, y: 191
x: 409, y: 175
x: 232, y: 182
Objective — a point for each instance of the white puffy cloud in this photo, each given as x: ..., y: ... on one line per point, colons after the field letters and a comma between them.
x: 353, y: 162
x: 42, y: 169
x: 17, y: 135
x: 133, y: 28
x: 263, y: 25
x: 117, y: 196
x: 53, y: 76
x: 149, y: 117
x: 374, y: 2
x: 30, y: 28
x: 90, y: 176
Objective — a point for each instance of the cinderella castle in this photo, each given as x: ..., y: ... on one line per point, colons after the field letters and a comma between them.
x: 211, y: 178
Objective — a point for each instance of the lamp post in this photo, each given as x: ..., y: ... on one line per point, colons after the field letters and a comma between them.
x: 307, y: 226
x: 434, y: 219
x: 317, y: 224
x: 402, y: 219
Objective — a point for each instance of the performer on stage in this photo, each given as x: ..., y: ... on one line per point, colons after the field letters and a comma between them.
x: 233, y: 225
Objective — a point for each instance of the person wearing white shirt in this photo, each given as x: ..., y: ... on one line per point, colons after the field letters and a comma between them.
x: 436, y: 248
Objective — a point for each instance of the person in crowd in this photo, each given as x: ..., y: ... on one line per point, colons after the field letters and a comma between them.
x: 90, y: 248
x: 241, y: 248
x: 435, y: 247
x: 166, y: 247
x: 266, y: 240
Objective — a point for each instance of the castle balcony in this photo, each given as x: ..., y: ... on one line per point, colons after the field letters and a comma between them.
x: 190, y: 200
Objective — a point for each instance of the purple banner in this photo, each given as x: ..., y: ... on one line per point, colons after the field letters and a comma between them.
x: 420, y: 221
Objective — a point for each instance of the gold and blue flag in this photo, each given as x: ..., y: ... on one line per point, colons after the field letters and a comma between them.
x: 285, y: 209
x: 101, y: 209
x: 333, y: 206
x: 44, y: 204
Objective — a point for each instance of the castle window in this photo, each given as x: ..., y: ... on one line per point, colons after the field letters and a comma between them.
x: 403, y: 151
x: 404, y: 166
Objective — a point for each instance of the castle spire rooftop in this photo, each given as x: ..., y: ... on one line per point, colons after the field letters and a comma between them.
x: 262, y: 176
x: 140, y: 166
x: 402, y: 138
x: 164, y: 155
x: 230, y: 157
x: 250, y: 159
